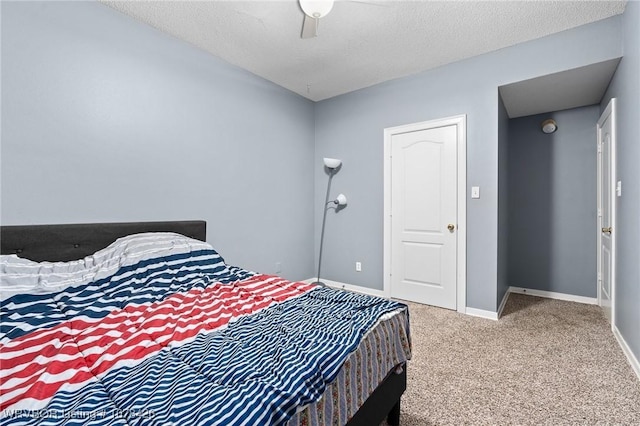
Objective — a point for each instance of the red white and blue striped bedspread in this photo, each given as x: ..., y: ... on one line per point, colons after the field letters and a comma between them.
x: 177, y: 339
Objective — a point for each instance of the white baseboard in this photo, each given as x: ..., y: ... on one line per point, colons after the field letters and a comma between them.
x: 488, y: 314
x: 504, y: 302
x: 372, y: 292
x: 635, y: 364
x: 481, y: 313
x: 554, y: 295
x: 540, y: 293
x: 349, y: 287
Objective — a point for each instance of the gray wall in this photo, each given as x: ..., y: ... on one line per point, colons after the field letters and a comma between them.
x: 626, y: 88
x: 106, y: 119
x: 351, y: 127
x: 552, y: 202
x: 503, y: 202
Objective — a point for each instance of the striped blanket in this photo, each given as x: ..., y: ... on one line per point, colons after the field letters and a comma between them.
x: 157, y: 329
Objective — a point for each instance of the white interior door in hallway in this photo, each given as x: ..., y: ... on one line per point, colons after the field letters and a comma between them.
x: 606, y: 209
x: 424, y: 213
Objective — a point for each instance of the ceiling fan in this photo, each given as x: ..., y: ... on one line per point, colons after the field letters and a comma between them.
x: 313, y: 11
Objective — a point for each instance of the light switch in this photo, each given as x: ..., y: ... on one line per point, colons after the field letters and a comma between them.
x: 475, y: 192
x: 619, y: 188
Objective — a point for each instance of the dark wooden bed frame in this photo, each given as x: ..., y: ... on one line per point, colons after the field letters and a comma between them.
x: 60, y: 243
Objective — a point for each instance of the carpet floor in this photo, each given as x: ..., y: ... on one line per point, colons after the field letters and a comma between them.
x: 545, y: 362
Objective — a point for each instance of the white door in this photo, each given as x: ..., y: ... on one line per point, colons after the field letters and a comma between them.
x: 423, y: 215
x: 606, y: 208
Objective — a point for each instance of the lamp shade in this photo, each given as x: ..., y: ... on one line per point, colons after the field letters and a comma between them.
x: 341, y: 200
x: 316, y: 8
x: 332, y: 163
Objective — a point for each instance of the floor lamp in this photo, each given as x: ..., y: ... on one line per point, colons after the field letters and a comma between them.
x: 333, y: 165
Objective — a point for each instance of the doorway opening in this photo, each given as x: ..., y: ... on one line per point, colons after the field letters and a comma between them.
x: 550, y: 230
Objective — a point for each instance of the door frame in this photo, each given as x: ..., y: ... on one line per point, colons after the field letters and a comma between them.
x: 461, y: 188
x: 610, y: 110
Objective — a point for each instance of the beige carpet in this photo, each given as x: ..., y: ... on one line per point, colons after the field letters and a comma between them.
x: 545, y: 362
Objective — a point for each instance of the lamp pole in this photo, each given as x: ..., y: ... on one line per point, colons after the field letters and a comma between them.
x: 333, y: 165
x: 324, y: 221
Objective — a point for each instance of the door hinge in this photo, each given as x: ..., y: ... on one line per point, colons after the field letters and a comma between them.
x: 599, y: 212
x: 599, y: 147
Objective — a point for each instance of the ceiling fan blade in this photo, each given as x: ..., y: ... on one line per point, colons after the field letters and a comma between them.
x: 309, y: 27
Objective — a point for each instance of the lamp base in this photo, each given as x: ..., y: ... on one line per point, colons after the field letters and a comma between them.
x: 319, y: 283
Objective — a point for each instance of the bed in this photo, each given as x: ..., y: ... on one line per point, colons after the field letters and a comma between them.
x: 162, y: 331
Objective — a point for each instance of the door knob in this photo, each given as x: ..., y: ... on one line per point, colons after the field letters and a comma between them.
x: 607, y: 230
x: 451, y: 227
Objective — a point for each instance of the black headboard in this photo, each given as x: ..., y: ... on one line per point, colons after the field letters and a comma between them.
x: 57, y: 243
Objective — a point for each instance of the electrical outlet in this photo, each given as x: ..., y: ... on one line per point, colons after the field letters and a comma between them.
x: 358, y: 267
x: 278, y: 267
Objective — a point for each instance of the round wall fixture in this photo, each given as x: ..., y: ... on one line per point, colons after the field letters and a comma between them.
x: 549, y: 126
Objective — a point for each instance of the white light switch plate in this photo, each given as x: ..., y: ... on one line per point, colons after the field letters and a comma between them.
x: 475, y: 192
x: 619, y: 188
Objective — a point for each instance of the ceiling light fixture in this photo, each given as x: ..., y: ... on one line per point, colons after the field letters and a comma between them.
x: 316, y: 8
x: 313, y: 11
x: 549, y: 126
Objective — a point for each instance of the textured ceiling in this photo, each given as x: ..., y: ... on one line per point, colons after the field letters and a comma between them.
x: 360, y: 43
